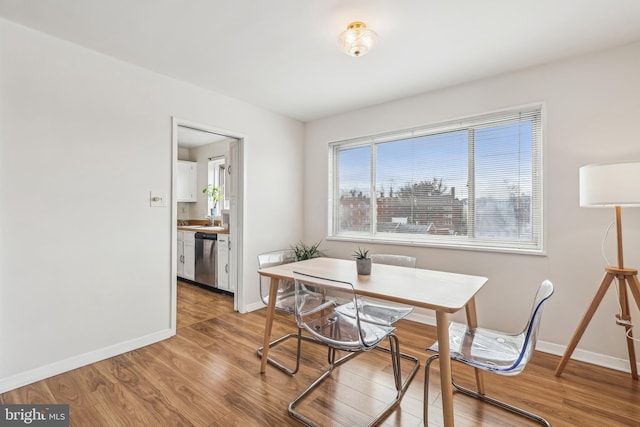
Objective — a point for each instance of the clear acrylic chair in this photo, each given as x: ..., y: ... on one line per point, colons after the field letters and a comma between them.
x: 285, y: 301
x: 493, y: 351
x: 341, y: 332
x: 390, y: 259
x: 382, y: 312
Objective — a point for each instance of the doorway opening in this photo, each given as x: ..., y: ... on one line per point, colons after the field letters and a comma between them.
x: 216, y: 156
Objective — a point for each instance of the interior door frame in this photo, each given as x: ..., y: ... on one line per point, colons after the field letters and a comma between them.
x: 236, y: 206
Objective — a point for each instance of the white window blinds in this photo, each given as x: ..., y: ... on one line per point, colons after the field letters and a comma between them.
x: 470, y: 183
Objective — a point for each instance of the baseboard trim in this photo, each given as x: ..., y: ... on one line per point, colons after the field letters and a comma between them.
x: 419, y: 317
x: 253, y: 306
x: 33, y: 375
x: 586, y: 356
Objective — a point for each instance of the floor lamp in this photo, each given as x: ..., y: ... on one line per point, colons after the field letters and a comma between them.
x: 611, y: 185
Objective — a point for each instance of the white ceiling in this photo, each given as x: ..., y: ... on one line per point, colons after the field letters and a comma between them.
x: 282, y: 54
x: 190, y: 138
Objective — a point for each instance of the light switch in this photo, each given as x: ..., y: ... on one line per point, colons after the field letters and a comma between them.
x: 158, y: 199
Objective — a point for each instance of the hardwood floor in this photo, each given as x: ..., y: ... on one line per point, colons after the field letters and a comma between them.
x: 208, y: 375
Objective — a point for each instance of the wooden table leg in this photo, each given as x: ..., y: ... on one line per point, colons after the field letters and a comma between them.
x: 271, y: 308
x: 472, y: 321
x: 442, y: 326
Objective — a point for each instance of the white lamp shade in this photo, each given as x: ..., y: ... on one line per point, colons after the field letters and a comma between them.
x: 614, y: 184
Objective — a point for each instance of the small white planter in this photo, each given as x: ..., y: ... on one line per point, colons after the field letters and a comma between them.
x: 363, y: 266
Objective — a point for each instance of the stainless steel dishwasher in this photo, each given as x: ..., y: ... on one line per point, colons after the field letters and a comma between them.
x: 206, y: 259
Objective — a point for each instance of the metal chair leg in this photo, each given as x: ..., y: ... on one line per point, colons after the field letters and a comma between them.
x: 331, y: 358
x: 401, y: 387
x: 299, y: 336
x: 501, y: 404
x: 475, y: 394
x: 395, y: 348
x: 306, y: 391
x: 425, y: 401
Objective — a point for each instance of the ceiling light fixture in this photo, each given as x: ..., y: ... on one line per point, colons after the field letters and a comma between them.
x: 357, y: 39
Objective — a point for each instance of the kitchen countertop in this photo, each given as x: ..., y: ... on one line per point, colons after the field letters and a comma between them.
x: 204, y: 229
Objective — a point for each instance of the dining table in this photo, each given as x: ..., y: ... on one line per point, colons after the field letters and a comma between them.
x: 441, y: 291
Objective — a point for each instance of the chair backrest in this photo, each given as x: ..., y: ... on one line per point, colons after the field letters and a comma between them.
x: 315, y: 301
x: 530, y: 332
x: 401, y: 260
x: 271, y: 259
x: 495, y: 351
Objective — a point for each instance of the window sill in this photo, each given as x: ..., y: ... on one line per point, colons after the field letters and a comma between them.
x: 437, y: 245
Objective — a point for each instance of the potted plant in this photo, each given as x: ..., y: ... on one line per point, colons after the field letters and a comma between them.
x: 215, y: 194
x: 302, y: 251
x: 363, y: 262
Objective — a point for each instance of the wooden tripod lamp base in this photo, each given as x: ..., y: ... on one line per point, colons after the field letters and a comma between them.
x: 626, y: 277
x: 606, y: 185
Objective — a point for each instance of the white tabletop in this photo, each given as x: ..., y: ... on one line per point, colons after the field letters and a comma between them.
x: 438, y: 290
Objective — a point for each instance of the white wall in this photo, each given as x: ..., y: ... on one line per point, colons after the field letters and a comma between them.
x: 84, y: 261
x: 184, y: 153
x: 592, y: 109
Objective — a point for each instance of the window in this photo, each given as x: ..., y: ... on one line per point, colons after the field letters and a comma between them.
x: 473, y: 183
x: 216, y: 177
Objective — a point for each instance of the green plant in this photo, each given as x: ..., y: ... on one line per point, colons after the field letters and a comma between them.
x: 214, y: 193
x: 302, y: 251
x: 361, y: 253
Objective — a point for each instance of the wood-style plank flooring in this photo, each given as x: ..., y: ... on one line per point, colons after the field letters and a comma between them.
x: 208, y: 375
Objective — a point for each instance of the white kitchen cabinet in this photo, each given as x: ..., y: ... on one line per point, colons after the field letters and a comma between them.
x: 187, y: 181
x: 186, y: 254
x: 223, y: 262
x: 189, y: 255
x: 180, y: 254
